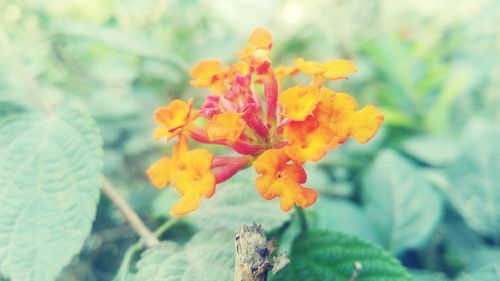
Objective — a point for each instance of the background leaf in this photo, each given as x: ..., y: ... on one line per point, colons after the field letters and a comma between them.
x: 134, y: 43
x: 432, y: 150
x: 50, y: 172
x: 422, y: 275
x: 328, y: 256
x: 208, y: 256
x: 489, y: 273
x: 403, y: 206
x: 237, y: 202
x: 475, y: 178
x: 343, y: 216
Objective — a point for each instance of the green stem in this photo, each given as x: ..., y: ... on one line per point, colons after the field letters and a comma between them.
x: 166, y: 226
x: 124, y: 269
x: 302, y: 218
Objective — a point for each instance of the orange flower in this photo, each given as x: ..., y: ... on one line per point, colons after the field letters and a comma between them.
x: 284, y: 71
x: 308, y: 140
x: 334, y: 119
x: 260, y: 39
x: 173, y: 119
x: 190, y: 174
x: 280, y: 179
x: 160, y: 172
x: 339, y: 113
x: 299, y: 102
x: 193, y: 179
x: 331, y: 69
x: 249, y: 113
x: 209, y: 74
x: 225, y: 126
x: 258, y: 50
x: 239, y: 68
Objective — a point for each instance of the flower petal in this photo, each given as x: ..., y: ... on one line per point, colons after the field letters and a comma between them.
x: 225, y: 126
x: 282, y: 179
x: 205, y: 73
x: 172, y: 118
x: 365, y: 123
x: 310, y: 67
x: 338, y: 69
x: 188, y: 203
x: 307, y: 140
x: 299, y: 102
x: 260, y: 39
x: 160, y: 172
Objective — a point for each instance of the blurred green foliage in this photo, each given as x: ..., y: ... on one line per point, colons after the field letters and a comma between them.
x: 427, y: 188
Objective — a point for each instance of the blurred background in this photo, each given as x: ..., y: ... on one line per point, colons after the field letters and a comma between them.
x: 432, y: 66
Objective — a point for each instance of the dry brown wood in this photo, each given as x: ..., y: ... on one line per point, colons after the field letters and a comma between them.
x: 252, y: 255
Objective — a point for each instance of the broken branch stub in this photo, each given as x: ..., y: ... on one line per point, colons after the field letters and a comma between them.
x: 252, y: 255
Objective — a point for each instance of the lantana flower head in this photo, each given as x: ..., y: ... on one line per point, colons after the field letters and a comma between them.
x: 274, y: 130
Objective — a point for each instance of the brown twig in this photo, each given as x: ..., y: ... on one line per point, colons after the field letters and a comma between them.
x: 252, y: 255
x: 129, y: 214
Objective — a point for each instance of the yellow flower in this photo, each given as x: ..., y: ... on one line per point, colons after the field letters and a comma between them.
x: 248, y: 112
x: 333, y: 120
x: 281, y: 179
x: 193, y: 179
x: 331, y: 69
x: 308, y: 140
x: 173, y: 119
x: 260, y: 39
x: 257, y: 53
x: 189, y: 173
x: 283, y: 71
x: 339, y: 113
x: 209, y: 74
x: 160, y: 172
x: 225, y: 126
x: 299, y: 102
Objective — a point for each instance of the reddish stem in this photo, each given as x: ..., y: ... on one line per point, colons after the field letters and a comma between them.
x: 239, y: 146
x: 220, y: 161
x: 231, y: 166
x: 271, y: 95
x: 255, y: 123
x: 245, y: 148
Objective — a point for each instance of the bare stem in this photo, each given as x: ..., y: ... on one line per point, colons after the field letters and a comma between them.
x: 357, y: 270
x: 128, y: 213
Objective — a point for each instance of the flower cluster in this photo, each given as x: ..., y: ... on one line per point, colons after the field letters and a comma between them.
x: 274, y: 130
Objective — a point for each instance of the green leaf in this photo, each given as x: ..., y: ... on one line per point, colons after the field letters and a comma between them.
x: 432, y: 150
x: 458, y: 80
x: 50, y: 172
x: 489, y: 273
x: 236, y: 202
x: 132, y: 43
x: 467, y: 248
x: 318, y: 178
x: 9, y: 107
x: 474, y: 188
x: 343, y: 216
x: 402, y: 204
x: 208, y: 256
x: 329, y: 256
x: 424, y: 275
